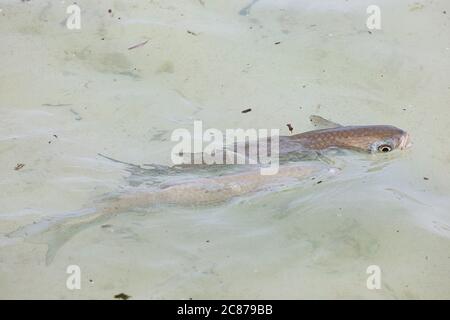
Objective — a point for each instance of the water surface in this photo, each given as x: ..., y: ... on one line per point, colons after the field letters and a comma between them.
x: 67, y: 95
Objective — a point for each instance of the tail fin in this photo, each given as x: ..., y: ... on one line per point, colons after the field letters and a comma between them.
x: 46, y: 223
x: 56, y: 231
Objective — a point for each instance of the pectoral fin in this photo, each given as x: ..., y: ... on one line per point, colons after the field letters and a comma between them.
x: 322, y: 123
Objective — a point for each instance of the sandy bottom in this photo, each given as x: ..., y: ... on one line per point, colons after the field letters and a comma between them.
x: 67, y: 95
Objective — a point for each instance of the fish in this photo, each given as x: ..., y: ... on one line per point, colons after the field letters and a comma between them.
x: 366, y: 138
x: 215, y: 189
x: 193, y: 193
x: 331, y: 135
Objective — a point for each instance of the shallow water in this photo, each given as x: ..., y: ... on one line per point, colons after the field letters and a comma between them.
x: 67, y: 95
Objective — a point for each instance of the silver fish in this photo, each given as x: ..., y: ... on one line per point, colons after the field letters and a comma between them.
x: 217, y: 189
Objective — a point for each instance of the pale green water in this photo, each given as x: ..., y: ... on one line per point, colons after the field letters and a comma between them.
x: 311, y: 241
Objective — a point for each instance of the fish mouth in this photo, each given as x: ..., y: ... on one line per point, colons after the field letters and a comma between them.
x: 405, y: 141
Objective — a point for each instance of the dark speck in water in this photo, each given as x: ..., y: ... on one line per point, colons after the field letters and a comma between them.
x: 290, y: 127
x: 425, y: 178
x: 19, y: 166
x: 122, y: 296
x: 246, y: 110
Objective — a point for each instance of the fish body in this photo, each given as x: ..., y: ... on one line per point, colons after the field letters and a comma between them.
x: 206, y: 191
x: 193, y: 193
x: 368, y: 138
x: 373, y: 138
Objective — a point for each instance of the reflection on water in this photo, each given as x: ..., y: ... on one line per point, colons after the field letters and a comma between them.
x: 68, y: 96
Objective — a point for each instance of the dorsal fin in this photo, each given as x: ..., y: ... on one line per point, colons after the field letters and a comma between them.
x: 322, y: 123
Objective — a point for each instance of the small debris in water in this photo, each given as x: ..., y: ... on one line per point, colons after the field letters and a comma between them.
x: 138, y: 45
x: 19, y: 166
x: 246, y: 110
x: 191, y: 32
x: 319, y: 182
x: 122, y: 296
x: 425, y: 178
x: 278, y: 42
x: 290, y: 127
x: 246, y: 10
x: 77, y: 115
x: 207, y: 241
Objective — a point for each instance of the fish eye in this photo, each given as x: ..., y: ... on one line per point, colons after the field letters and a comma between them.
x: 384, y: 148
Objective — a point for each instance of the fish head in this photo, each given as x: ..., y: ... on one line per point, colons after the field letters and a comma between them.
x: 381, y: 139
